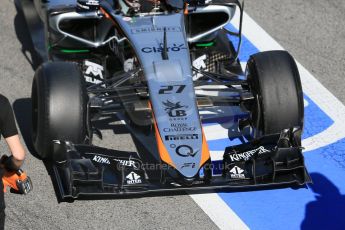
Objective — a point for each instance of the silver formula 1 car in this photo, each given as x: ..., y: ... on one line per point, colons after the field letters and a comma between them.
x: 164, y: 68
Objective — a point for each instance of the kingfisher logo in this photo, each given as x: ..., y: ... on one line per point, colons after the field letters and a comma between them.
x: 247, y: 155
x: 102, y: 160
x: 128, y: 163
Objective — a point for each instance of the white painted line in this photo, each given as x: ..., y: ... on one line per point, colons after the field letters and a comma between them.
x: 216, y: 155
x: 311, y: 86
x: 215, y: 132
x: 201, y: 92
x: 330, y: 105
x: 306, y: 103
x: 219, y: 212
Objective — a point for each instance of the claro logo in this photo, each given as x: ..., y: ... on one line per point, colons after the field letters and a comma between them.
x: 173, y: 48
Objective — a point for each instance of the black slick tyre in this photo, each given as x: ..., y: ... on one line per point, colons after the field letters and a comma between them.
x: 275, y: 82
x: 58, y: 106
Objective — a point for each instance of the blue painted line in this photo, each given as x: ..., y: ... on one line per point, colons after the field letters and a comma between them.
x: 321, y: 206
x: 247, y: 48
x: 215, y: 121
x: 217, y: 167
x: 223, y: 120
x: 315, y: 120
x: 220, y: 144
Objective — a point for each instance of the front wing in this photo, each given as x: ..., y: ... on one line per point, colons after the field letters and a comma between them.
x: 83, y: 170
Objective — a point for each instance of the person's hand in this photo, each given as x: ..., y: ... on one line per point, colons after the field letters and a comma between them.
x: 10, y: 163
x: 17, y: 150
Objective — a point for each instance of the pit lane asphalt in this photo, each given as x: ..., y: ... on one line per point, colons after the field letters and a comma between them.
x: 312, y: 30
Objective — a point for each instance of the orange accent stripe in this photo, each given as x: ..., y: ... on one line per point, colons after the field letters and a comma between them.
x: 163, y: 153
x: 205, y: 153
x: 107, y: 15
x: 185, y: 12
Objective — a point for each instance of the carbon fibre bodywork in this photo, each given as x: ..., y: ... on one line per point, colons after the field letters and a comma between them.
x: 87, y: 170
x: 146, y: 67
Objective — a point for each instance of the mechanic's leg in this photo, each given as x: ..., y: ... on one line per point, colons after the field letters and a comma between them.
x: 2, y: 203
x: 2, y: 219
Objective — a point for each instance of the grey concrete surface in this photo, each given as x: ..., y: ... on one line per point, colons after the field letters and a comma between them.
x: 312, y: 30
x: 40, y: 209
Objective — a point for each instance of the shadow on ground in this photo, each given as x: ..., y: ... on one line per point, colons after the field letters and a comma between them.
x: 328, y: 209
x: 24, y: 38
x: 22, y: 110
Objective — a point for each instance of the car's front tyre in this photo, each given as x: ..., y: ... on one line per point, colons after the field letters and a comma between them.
x: 275, y: 82
x: 58, y: 106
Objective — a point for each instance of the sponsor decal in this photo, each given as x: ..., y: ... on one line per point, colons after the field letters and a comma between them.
x: 248, y: 154
x: 127, y: 19
x: 92, y: 2
x: 175, y: 109
x: 179, y: 127
x: 129, y: 163
x: 87, y: 4
x: 133, y: 178
x: 199, y: 63
x: 94, y: 69
x: 185, y: 151
x: 169, y: 89
x: 173, y: 48
x: 178, y: 119
x: 181, y: 137
x: 128, y: 64
x: 188, y: 165
x: 102, y: 160
x: 93, y: 72
x: 237, y: 173
x: 156, y: 29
